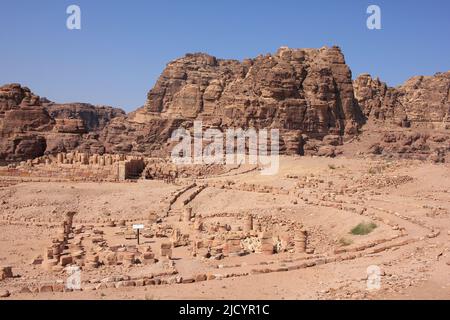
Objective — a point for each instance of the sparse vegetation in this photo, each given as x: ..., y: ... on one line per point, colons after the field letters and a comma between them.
x: 363, y: 228
x: 343, y: 242
x: 379, y: 168
x: 374, y: 170
x: 332, y: 166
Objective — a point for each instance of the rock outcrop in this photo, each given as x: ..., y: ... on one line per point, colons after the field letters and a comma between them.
x: 308, y: 94
x: 413, y: 120
x: 433, y: 146
x: 421, y: 102
x: 87, y: 118
x: 31, y: 127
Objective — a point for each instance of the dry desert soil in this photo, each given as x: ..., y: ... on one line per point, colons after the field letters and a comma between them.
x: 306, y: 212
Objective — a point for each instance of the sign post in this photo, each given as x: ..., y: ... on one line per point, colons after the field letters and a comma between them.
x: 138, y: 227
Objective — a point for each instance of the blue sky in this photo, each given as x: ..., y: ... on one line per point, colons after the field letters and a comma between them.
x: 124, y: 45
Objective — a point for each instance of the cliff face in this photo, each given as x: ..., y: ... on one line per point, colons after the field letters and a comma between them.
x: 412, y: 120
x: 307, y: 94
x: 31, y: 127
x: 302, y: 89
x: 422, y: 102
x: 91, y: 118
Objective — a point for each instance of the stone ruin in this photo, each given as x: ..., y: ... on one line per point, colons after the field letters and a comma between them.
x: 5, y: 272
x: 164, y: 169
x: 76, y: 166
x: 59, y: 253
x: 85, y: 247
x: 213, y: 238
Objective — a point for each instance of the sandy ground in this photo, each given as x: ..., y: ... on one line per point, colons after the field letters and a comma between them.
x: 408, y: 200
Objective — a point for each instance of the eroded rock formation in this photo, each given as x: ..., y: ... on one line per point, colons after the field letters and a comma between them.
x: 421, y: 102
x: 412, y: 119
x: 31, y: 127
x: 308, y: 94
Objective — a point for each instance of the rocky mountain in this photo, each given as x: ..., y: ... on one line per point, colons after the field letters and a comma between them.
x: 422, y: 102
x: 308, y: 94
x: 409, y: 121
x: 31, y: 126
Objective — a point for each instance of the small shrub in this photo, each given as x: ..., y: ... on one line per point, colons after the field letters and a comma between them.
x: 374, y: 170
x: 343, y: 242
x: 363, y: 228
x: 332, y: 166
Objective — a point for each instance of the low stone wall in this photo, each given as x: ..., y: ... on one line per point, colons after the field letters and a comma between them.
x: 61, y: 172
x: 78, y: 167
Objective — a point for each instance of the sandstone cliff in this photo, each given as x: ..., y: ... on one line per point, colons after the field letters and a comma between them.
x: 422, y: 102
x: 31, y: 127
x: 409, y: 121
x: 308, y: 94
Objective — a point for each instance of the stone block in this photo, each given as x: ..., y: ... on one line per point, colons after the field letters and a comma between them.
x: 25, y: 290
x: 200, y: 277
x: 65, y: 260
x: 188, y: 280
x: 45, y: 288
x: 5, y: 272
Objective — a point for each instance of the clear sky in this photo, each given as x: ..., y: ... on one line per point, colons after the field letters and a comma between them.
x: 124, y: 45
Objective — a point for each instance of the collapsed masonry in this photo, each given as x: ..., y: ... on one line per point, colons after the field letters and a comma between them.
x: 215, y: 237
x: 77, y: 166
x: 226, y: 235
x: 85, y: 247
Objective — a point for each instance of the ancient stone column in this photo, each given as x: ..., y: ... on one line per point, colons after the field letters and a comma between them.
x: 300, y: 242
x: 176, y: 237
x: 56, y: 251
x: 128, y: 258
x: 69, y: 221
x: 108, y: 160
x: 166, y: 250
x: 92, y: 260
x: 84, y: 159
x: 48, y: 253
x: 61, y: 234
x: 267, y: 246
x: 187, y: 214
x: 198, y: 225
x: 152, y: 217
x: 248, y: 223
